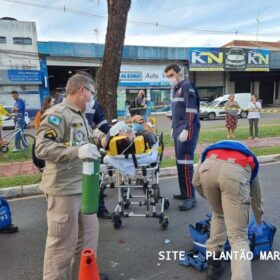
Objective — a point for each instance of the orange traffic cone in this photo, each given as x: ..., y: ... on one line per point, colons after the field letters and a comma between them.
x: 88, y: 266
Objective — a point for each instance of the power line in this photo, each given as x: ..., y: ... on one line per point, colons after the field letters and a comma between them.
x: 142, y: 23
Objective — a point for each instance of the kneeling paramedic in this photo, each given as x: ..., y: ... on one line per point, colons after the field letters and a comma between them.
x: 227, y: 176
x: 63, y: 141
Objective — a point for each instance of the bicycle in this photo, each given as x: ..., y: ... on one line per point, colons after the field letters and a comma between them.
x: 26, y: 139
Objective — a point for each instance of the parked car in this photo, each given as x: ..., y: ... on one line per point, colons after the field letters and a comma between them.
x: 215, y: 108
x: 9, y: 122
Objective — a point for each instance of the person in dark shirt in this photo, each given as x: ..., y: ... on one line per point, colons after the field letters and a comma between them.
x: 140, y: 103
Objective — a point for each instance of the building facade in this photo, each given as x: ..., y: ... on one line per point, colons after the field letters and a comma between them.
x: 20, y: 67
x: 37, y: 69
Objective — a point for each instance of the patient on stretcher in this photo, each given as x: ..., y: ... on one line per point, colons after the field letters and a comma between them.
x: 129, y: 140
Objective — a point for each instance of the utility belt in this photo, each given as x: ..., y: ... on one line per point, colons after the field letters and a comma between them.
x: 232, y: 157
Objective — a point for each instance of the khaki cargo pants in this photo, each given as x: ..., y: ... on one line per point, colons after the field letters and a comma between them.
x: 69, y: 232
x: 227, y: 188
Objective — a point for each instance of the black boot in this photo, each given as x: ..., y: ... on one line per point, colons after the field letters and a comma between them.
x: 215, y: 268
x: 9, y: 229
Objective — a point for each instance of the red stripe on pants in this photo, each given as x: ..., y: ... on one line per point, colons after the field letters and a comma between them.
x: 187, y: 177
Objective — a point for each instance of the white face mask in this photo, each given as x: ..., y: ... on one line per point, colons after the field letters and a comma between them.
x: 173, y: 82
x: 89, y: 105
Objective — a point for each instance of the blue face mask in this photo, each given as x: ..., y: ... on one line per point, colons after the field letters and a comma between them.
x: 138, y: 127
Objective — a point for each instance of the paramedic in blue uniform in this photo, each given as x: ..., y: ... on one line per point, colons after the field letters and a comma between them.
x: 227, y: 176
x: 96, y: 119
x: 185, y: 131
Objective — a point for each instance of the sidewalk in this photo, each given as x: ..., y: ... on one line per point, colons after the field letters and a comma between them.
x: 21, y: 168
x: 258, y: 143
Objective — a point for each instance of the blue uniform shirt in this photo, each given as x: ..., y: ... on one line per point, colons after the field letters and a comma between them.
x: 96, y: 118
x: 20, y: 105
x: 185, y: 106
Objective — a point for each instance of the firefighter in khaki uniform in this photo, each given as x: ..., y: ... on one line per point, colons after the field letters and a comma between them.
x: 227, y: 176
x: 63, y: 142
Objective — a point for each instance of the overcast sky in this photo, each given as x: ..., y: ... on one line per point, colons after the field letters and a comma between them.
x: 152, y: 22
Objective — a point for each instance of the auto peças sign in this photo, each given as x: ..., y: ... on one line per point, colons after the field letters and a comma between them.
x: 229, y: 59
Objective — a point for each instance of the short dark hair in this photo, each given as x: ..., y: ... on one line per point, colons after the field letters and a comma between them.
x: 14, y: 92
x: 174, y: 67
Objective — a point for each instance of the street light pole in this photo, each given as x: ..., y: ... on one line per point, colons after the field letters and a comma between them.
x: 96, y: 31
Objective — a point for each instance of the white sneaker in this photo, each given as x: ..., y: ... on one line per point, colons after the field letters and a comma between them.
x: 15, y: 150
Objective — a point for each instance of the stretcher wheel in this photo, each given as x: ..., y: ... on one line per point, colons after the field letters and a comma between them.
x: 4, y: 149
x: 166, y: 204
x: 164, y: 224
x: 117, y: 222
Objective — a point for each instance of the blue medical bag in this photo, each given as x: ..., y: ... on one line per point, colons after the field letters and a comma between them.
x: 260, y: 236
x: 5, y: 213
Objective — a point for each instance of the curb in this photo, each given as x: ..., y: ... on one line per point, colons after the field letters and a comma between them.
x: 164, y: 172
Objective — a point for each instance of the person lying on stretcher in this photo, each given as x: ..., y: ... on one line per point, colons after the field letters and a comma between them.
x: 129, y: 131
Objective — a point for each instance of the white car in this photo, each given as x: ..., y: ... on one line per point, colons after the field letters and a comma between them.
x: 215, y: 109
x: 169, y: 113
x: 9, y: 122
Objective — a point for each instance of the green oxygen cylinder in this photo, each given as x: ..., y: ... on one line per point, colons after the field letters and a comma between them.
x: 90, y: 187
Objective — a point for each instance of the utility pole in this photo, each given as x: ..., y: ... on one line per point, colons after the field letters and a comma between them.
x: 257, y: 34
x: 96, y: 31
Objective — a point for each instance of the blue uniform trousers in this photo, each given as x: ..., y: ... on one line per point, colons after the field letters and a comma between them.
x: 184, y: 153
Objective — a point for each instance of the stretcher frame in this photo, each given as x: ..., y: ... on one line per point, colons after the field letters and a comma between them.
x: 149, y: 183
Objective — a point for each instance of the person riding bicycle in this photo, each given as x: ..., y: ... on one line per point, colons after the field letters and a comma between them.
x: 19, y: 108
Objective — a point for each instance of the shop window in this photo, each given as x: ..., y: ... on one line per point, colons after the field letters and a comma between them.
x: 3, y: 40
x: 160, y: 98
x: 22, y: 41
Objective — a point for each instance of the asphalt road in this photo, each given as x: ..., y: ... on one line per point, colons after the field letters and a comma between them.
x: 132, y: 252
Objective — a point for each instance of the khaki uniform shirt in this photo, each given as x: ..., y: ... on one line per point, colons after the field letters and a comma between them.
x: 63, y: 128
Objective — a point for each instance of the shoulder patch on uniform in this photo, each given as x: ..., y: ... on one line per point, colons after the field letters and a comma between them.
x: 50, y: 134
x: 54, y: 120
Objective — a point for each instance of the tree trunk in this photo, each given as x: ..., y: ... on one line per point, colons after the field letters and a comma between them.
x: 108, y: 74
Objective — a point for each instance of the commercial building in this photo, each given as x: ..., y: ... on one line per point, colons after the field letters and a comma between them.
x: 20, y: 67
x: 37, y: 69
